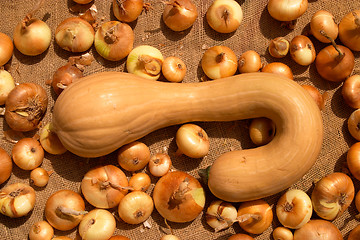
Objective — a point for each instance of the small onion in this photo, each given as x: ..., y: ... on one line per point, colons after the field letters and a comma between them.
x: 318, y: 229
x: 332, y: 195
x: 25, y: 107
x: 127, y: 10
x: 50, y: 141
x: 219, y: 62
x: 105, y: 186
x: 41, y: 230
x: 6, y: 85
x: 302, y: 50
x: 17, y: 200
x: 136, y: 207
x: 255, y: 216
x: 98, y: 224
x: 39, y: 177
x: 323, y: 20
x: 27, y: 153
x: 261, y: 131
x: 349, y: 33
x: 224, y: 16
x: 220, y: 215
x: 240, y: 236
x: 192, y: 141
x: 160, y: 164
x: 64, y: 209
x: 6, y: 166
x: 350, y: 91
x: 140, y: 182
x: 64, y: 76
x: 278, y: 68
x: 354, y: 233
x: 279, y: 47
x: 284, y: 10
x: 118, y: 237
x: 179, y: 197
x: 353, y: 124
x: 282, y: 233
x: 294, y: 209
x: 173, y: 69
x: 316, y: 95
x: 353, y: 160
x: 74, y: 34
x: 145, y: 61
x: 82, y: 1
x: 6, y: 48
x: 249, y: 61
x: 357, y: 204
x: 179, y: 15
x: 114, y: 40
x: 133, y: 156
x: 61, y: 238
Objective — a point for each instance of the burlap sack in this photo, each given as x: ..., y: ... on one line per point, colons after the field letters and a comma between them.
x: 257, y: 28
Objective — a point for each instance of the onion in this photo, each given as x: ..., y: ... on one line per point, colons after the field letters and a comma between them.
x: 179, y: 15
x: 105, y: 186
x: 255, y: 216
x: 6, y: 84
x: 41, y: 230
x: 28, y: 154
x: 17, y: 200
x: 224, y: 16
x: 136, y: 207
x: 316, y: 95
x: 240, y: 236
x: 6, y: 166
x: 64, y: 209
x: 140, y: 182
x: 127, y: 10
x: 353, y: 160
x: 118, y: 237
x: 61, y: 238
x: 261, y: 131
x: 282, y: 233
x: 332, y: 195
x: 179, y: 197
x: 353, y: 124
x: 249, y: 61
x: 335, y: 62
x: 284, y: 10
x: 145, y: 61
x: 169, y: 237
x: 355, y: 233
x: 82, y: 1
x: 357, y: 204
x: 279, y: 47
x: 323, y: 20
x: 159, y: 164
x: 349, y: 33
x: 25, y: 107
x: 32, y: 36
x: 114, y: 40
x: 74, y: 34
x: 278, y: 68
x: 302, y: 50
x: 220, y: 215
x: 294, y: 209
x: 318, y: 229
x: 50, y: 141
x: 350, y: 91
x: 192, y: 141
x: 173, y: 69
x: 98, y: 224
x: 64, y: 76
x: 133, y: 156
x: 39, y: 177
x: 6, y: 48
x: 219, y: 62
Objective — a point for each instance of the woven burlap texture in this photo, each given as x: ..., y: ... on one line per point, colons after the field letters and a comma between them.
x: 255, y: 32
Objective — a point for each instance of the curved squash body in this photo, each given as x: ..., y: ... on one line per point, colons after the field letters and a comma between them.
x: 101, y: 112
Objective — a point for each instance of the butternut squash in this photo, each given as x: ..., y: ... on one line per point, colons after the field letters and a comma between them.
x: 101, y: 112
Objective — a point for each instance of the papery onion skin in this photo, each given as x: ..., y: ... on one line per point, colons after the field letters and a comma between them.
x: 39, y: 177
x: 25, y: 107
x: 64, y: 76
x: 50, y: 141
x: 140, y: 182
x: 33, y: 38
x: 192, y: 140
x: 282, y: 233
x: 6, y: 166
x: 353, y: 124
x: 74, y: 34
x: 17, y: 200
x: 302, y: 50
x: 133, y: 156
x: 41, y: 230
x: 6, y: 85
x: 349, y: 30
x: 224, y: 16
x: 279, y: 47
x: 318, y: 229
x: 179, y: 15
x: 323, y: 20
x: 173, y: 69
x: 220, y: 215
x: 353, y: 160
x: 114, y: 40
x: 278, y: 68
x: 98, y: 224
x: 284, y: 10
x: 27, y: 153
x: 184, y: 207
x: 350, y: 91
x: 6, y: 48
x: 332, y: 195
x: 249, y: 61
x: 100, y: 186
x: 159, y: 164
x: 127, y: 10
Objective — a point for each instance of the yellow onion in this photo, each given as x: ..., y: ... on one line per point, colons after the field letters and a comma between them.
x: 98, y: 224
x: 302, y: 50
x: 6, y: 48
x: 179, y: 15
x: 323, y: 20
x: 349, y: 30
x: 285, y: 10
x: 318, y: 229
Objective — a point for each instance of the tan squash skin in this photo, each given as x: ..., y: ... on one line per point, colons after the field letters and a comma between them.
x: 99, y: 113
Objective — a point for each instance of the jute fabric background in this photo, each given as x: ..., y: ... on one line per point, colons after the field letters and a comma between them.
x: 255, y: 32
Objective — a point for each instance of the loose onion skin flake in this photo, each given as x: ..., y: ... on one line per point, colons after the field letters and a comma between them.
x: 105, y: 186
x: 6, y: 48
x: 179, y: 197
x: 17, y: 200
x: 179, y: 15
x: 6, y: 166
x: 28, y: 154
x: 25, y: 107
